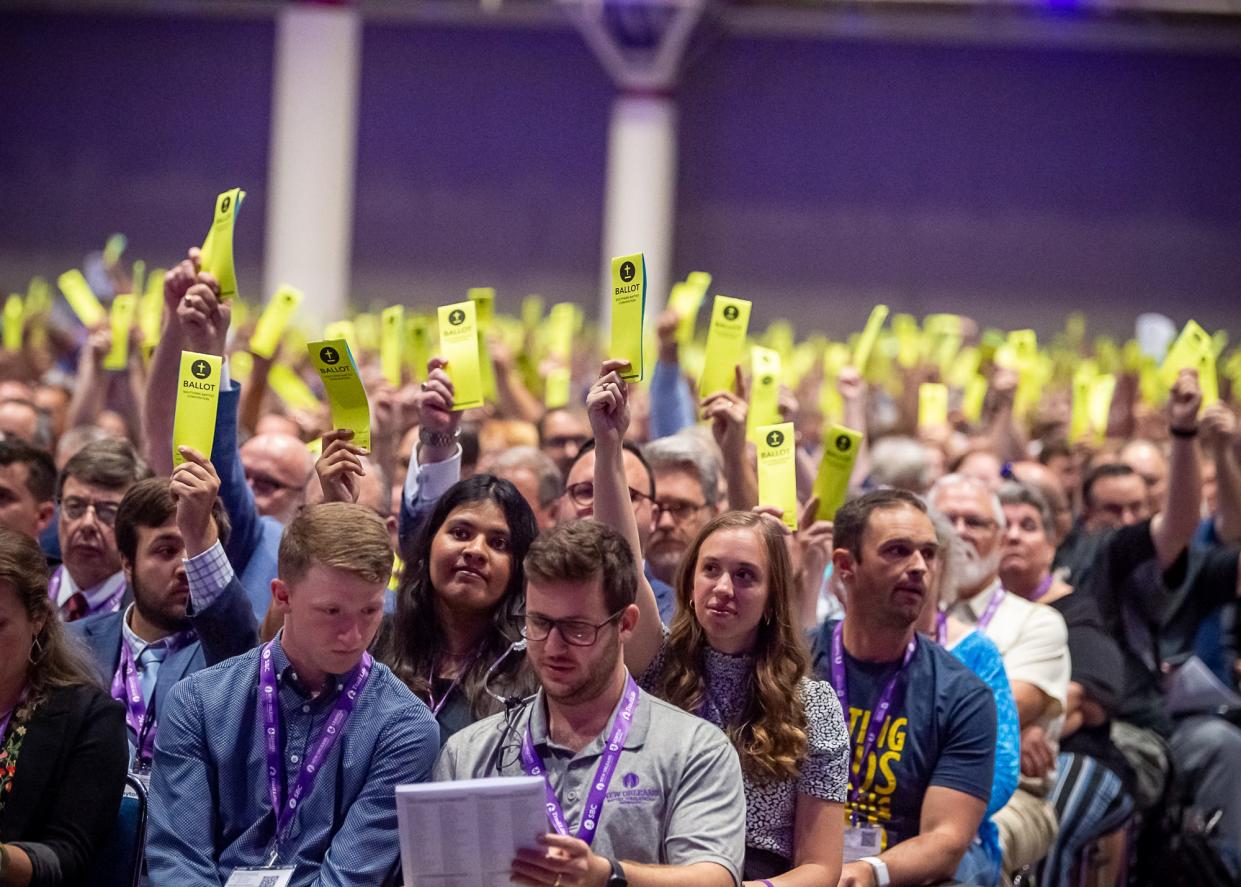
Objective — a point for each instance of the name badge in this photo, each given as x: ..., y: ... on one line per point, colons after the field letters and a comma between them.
x: 862, y: 840
x: 257, y: 877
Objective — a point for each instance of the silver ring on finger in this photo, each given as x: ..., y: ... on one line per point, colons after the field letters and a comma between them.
x: 557, y: 882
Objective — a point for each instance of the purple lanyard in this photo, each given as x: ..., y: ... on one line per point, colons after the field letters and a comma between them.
x: 882, y: 711
x: 322, y: 745
x: 1043, y: 588
x: 533, y: 765
x: 988, y: 614
x: 941, y: 627
x: 436, y: 706
x: 127, y: 688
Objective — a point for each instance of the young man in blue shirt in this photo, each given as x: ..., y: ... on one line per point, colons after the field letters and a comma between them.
x: 288, y: 757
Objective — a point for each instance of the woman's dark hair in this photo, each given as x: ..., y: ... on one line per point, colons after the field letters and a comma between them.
x: 417, y: 637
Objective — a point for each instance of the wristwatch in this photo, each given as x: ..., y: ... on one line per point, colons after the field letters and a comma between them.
x: 438, y: 438
x: 880, y: 869
x: 617, y: 878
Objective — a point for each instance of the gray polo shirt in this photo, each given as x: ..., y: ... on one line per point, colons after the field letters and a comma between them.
x: 676, y: 797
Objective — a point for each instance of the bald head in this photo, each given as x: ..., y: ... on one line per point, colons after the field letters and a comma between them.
x: 277, y: 468
x: 1148, y: 460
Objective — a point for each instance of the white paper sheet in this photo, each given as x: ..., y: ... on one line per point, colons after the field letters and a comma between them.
x: 465, y: 833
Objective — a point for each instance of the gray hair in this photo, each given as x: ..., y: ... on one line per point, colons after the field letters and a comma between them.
x: 962, y: 480
x: 1014, y: 493
x: 538, y: 463
x: 900, y: 462
x: 680, y: 452
x: 951, y: 553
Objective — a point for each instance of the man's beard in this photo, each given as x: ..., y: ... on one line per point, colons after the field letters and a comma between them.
x: 157, y: 616
x: 594, y: 681
x: 973, y: 571
x: 663, y: 555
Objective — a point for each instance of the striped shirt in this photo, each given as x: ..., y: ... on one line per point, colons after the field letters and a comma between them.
x: 210, y: 812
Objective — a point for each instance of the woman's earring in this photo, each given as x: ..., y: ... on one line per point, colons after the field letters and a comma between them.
x: 36, y: 647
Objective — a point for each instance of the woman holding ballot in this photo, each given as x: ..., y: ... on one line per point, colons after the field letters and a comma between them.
x: 454, y: 639
x: 731, y: 656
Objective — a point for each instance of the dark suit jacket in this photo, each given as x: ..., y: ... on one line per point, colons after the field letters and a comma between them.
x: 225, y: 629
x: 67, y: 787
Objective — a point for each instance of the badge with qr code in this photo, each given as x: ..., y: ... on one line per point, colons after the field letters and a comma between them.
x: 863, y: 840
x: 248, y: 877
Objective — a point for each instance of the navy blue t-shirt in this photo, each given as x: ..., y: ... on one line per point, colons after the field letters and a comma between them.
x: 942, y: 732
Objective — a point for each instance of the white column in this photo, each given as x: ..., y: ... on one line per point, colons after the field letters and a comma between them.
x: 641, y: 195
x: 313, y: 145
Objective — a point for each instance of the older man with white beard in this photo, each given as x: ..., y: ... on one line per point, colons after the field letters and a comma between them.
x: 1033, y: 642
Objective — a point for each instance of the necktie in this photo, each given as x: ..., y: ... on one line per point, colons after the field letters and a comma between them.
x: 75, y: 608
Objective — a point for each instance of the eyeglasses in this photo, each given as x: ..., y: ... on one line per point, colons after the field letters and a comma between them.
x: 574, y: 631
x: 266, y: 485
x: 678, y: 509
x: 973, y: 522
x: 583, y: 494
x: 75, y: 508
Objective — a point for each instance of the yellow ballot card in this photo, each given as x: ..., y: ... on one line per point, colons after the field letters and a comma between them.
x: 531, y: 311
x: 561, y: 325
x: 81, y: 298
x: 831, y: 484
x: 908, y: 340
x: 240, y: 365
x: 346, y: 397
x: 764, y: 389
x: 870, y: 335
x: 1079, y: 412
x: 14, y: 319
x: 138, y: 277
x: 291, y: 388
x: 1102, y: 387
x: 391, y: 336
x: 1193, y: 349
x: 124, y: 308
x: 777, y: 469
x: 459, y: 346
x: 113, y: 248
x: 198, y: 394
x: 730, y: 319
x: 974, y: 397
x: 556, y: 388
x: 274, y: 320
x: 932, y: 405
x: 217, y: 252
x: 151, y: 309
x: 418, y: 339
x: 628, y: 313
x: 484, y: 299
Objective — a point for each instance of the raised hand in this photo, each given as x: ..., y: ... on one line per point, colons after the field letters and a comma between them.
x: 340, y: 467
x: 727, y: 412
x: 204, y: 317
x: 1184, y: 402
x: 435, y: 399
x: 194, y: 486
x: 607, y: 404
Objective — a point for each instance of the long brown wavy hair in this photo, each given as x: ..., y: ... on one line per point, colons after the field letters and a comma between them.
x: 770, y: 735
x: 56, y: 660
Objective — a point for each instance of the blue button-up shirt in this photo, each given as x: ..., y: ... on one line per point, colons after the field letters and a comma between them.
x: 210, y: 812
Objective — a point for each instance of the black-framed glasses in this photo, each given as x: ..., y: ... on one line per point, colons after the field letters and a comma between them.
x: 576, y: 632
x: 679, y: 509
x: 75, y: 507
x: 266, y: 485
x: 582, y: 494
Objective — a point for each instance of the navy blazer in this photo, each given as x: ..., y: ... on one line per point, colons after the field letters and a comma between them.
x: 225, y: 629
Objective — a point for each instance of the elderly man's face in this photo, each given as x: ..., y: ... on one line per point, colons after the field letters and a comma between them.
x: 681, y: 511
x: 277, y: 468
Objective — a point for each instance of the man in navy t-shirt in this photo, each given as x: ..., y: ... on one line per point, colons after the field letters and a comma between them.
x: 923, y: 725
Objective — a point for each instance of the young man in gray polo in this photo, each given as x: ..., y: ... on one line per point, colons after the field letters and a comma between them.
x: 645, y: 794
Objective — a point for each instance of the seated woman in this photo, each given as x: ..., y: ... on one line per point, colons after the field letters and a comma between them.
x: 734, y: 656
x: 63, y: 750
x: 453, y: 635
x: 1089, y: 766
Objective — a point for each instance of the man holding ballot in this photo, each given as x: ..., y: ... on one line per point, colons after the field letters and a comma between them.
x: 639, y: 793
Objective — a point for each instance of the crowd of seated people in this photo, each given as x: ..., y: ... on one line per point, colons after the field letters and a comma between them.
x: 1005, y: 657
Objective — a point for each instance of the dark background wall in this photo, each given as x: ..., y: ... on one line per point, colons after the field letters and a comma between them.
x: 817, y: 176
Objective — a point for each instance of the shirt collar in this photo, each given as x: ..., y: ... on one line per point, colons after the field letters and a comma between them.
x: 978, y: 603
x: 637, y: 731
x: 137, y: 646
x: 95, y: 595
x: 287, y: 675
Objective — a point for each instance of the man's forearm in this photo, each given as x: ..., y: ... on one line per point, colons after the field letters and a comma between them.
x: 742, y: 478
x: 923, y: 859
x: 161, y: 398
x: 698, y: 874
x: 1172, y: 530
